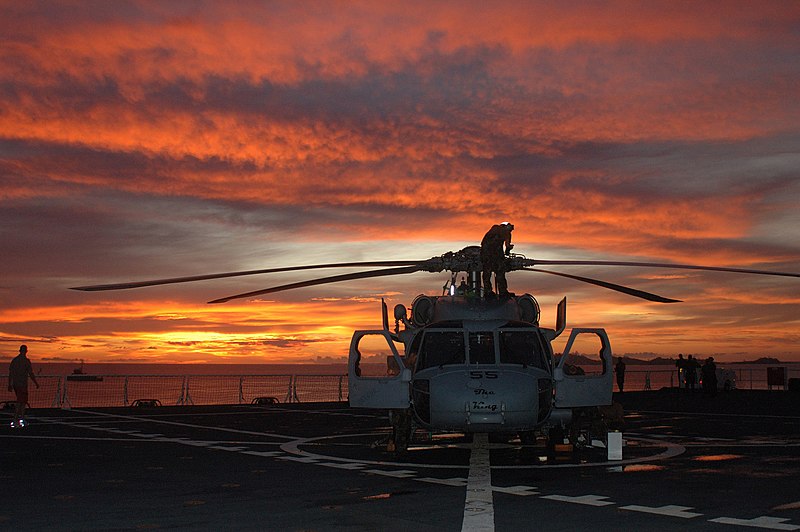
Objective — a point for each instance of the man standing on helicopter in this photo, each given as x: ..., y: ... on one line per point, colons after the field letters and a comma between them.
x: 493, y: 256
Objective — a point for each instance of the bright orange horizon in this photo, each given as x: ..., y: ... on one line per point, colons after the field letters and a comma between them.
x: 142, y: 140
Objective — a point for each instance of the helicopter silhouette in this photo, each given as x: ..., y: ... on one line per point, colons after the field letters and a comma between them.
x: 470, y: 360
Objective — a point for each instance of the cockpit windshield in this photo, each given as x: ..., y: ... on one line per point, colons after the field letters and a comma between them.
x: 522, y: 347
x: 441, y: 348
x: 457, y: 346
x: 481, y: 347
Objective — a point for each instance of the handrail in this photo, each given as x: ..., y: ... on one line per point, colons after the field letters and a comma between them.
x: 61, y: 391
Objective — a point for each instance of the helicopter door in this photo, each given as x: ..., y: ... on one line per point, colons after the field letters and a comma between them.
x: 589, y: 384
x: 377, y: 375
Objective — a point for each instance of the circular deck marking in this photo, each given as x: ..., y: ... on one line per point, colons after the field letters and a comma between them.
x: 295, y: 447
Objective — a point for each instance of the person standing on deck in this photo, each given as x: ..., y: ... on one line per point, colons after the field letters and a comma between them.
x: 681, y: 365
x: 620, y: 369
x: 709, y: 374
x: 18, y: 372
x: 690, y: 369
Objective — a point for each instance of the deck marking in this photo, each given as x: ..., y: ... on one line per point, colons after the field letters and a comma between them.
x: 69, y: 438
x: 339, y: 465
x: 226, y: 448
x: 177, y: 424
x: 301, y: 459
x: 196, y: 443
x: 263, y: 454
x: 294, y: 447
x: 772, y: 523
x: 397, y: 473
x: 669, y: 510
x: 588, y: 500
x: 478, y: 506
x: 456, y: 481
x: 670, y: 450
x: 516, y: 490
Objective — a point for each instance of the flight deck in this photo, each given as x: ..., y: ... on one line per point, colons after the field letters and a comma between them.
x: 729, y: 462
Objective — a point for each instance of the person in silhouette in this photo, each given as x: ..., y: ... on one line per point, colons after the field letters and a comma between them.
x: 681, y: 365
x: 493, y: 256
x: 620, y: 369
x: 690, y: 369
x: 709, y: 374
x: 18, y: 372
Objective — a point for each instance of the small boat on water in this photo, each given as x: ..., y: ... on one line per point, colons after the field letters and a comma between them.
x: 79, y: 375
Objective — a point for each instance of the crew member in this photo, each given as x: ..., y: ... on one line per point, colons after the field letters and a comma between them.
x: 709, y: 375
x: 620, y: 369
x: 18, y: 372
x: 493, y: 256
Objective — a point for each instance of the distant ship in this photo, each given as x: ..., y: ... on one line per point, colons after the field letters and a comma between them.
x: 79, y: 375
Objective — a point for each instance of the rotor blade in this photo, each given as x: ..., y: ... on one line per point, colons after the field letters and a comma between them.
x: 173, y: 280
x: 323, y: 280
x: 611, y: 286
x: 659, y: 265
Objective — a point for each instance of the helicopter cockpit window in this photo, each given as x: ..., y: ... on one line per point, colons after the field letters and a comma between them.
x: 441, y: 348
x: 481, y: 347
x: 521, y: 347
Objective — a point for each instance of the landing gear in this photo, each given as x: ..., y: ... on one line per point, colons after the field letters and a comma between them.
x: 402, y: 429
x: 586, y: 427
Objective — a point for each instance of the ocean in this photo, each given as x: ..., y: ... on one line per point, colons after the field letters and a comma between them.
x: 748, y: 375
x: 99, y: 368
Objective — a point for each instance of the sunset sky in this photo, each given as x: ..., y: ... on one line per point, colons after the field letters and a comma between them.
x: 158, y: 139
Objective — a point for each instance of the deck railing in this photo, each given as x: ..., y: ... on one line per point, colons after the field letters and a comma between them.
x: 124, y: 390
x: 745, y: 379
x: 83, y: 391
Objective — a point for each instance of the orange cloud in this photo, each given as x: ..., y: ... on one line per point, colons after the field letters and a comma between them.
x: 648, y: 130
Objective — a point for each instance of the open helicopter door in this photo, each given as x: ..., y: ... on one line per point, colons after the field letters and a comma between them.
x: 584, y: 386
x: 377, y: 385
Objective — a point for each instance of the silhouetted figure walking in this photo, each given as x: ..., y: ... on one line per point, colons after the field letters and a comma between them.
x: 18, y: 372
x: 493, y: 256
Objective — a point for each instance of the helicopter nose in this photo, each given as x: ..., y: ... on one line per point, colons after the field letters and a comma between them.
x: 482, y: 401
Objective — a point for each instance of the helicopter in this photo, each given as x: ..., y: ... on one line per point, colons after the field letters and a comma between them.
x: 470, y: 360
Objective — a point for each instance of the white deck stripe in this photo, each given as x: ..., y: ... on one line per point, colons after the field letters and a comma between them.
x: 174, y: 423
x: 669, y: 510
x: 478, y: 506
x: 772, y: 523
